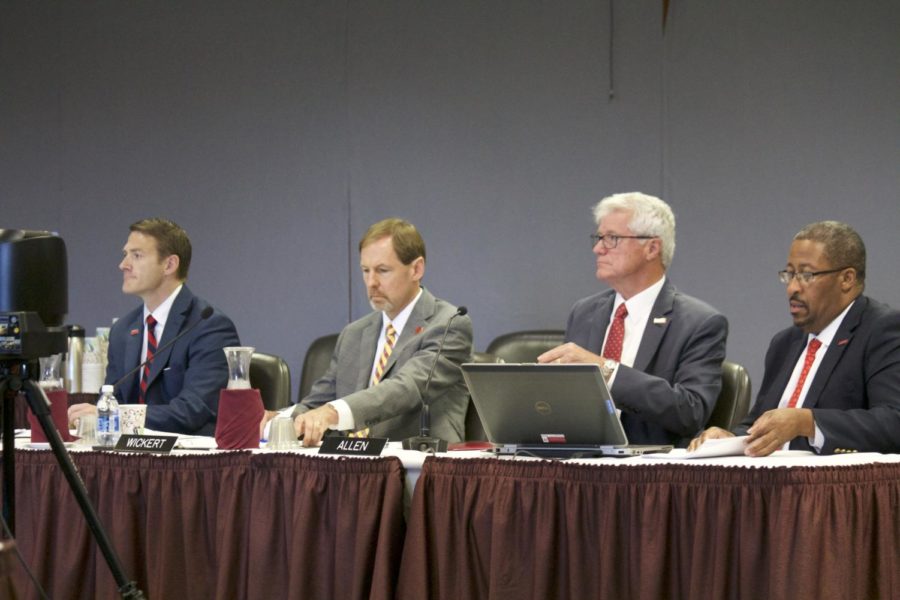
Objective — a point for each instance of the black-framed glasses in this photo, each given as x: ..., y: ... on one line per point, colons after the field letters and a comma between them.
x: 610, y: 240
x: 804, y: 277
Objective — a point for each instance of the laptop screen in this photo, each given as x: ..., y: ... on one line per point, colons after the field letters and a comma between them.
x: 544, y: 404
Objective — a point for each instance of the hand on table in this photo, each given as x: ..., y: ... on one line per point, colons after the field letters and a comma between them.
x: 312, y: 425
x: 713, y: 433
x: 774, y: 428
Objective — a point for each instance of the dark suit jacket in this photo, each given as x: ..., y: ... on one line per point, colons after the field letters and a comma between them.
x: 669, y: 394
x: 185, y: 379
x: 855, y: 395
x: 392, y: 408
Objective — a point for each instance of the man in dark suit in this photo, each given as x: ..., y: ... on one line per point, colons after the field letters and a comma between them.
x: 181, y: 385
x: 832, y: 381
x: 376, y: 380
x: 660, y: 350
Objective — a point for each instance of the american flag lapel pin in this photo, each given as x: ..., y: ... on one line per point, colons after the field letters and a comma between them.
x: 135, y: 331
x: 419, y: 329
x: 660, y: 320
x: 843, y: 342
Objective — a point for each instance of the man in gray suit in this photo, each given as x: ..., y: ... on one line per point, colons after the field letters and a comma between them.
x: 660, y: 350
x: 376, y: 379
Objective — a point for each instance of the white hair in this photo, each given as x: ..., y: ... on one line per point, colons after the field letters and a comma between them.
x: 649, y: 216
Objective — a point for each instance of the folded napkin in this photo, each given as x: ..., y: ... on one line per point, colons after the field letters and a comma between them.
x: 240, y: 413
x: 59, y: 412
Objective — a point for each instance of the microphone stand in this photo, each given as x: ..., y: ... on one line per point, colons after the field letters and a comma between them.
x: 40, y: 406
x: 425, y: 442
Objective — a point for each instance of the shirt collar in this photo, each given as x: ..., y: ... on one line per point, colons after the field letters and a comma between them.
x: 826, y: 336
x: 161, y: 314
x: 402, y: 317
x: 641, y: 304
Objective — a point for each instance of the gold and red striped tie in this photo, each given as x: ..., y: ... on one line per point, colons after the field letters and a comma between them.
x: 390, y: 338
x: 151, y: 350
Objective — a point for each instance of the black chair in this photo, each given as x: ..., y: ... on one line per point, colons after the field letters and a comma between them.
x: 525, y: 346
x: 316, y: 362
x: 734, y: 399
x: 474, y: 429
x: 272, y: 377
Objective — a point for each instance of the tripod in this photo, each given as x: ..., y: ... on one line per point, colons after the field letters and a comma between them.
x: 12, y: 380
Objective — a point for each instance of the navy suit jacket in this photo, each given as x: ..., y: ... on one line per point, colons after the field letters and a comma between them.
x: 855, y: 394
x: 183, y: 390
x: 669, y: 394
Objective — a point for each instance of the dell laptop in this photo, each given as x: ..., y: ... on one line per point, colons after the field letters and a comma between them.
x: 557, y: 410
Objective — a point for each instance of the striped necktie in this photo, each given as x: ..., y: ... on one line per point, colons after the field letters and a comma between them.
x: 390, y: 338
x: 151, y: 350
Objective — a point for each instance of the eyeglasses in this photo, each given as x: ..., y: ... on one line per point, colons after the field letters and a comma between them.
x: 804, y: 277
x: 610, y: 241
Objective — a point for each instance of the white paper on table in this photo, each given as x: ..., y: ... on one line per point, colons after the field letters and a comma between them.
x: 730, y: 446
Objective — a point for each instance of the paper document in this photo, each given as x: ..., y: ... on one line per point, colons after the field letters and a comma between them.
x: 731, y: 446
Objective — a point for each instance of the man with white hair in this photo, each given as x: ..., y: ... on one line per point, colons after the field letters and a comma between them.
x: 661, y: 351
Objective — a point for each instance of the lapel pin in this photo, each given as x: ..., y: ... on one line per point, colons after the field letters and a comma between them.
x: 135, y: 331
x: 843, y: 342
x: 659, y: 320
x: 419, y: 329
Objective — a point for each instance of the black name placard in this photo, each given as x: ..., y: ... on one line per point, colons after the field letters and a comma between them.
x: 161, y: 444
x: 353, y: 446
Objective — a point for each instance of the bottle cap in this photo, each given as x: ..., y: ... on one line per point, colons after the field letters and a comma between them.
x: 106, y: 389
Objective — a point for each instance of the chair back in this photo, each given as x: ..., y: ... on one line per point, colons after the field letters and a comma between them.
x: 734, y: 399
x: 272, y: 377
x: 316, y: 362
x: 525, y: 346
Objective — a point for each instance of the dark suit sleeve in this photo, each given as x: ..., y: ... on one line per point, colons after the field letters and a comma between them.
x: 876, y: 427
x: 684, y: 404
x: 194, y: 384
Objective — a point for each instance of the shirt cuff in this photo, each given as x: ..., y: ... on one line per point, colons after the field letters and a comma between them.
x: 818, y: 441
x: 346, y: 422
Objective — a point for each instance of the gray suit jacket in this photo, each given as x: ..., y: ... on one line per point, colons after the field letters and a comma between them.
x: 392, y: 408
x: 669, y: 394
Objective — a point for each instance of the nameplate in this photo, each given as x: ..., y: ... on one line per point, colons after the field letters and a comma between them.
x: 353, y: 446
x: 147, y: 443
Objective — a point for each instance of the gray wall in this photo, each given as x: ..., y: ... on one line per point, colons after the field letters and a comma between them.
x: 276, y: 131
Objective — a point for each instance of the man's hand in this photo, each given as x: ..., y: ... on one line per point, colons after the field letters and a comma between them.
x: 713, y: 433
x: 267, y: 416
x: 774, y: 428
x: 569, y: 353
x: 76, y: 411
x: 312, y: 425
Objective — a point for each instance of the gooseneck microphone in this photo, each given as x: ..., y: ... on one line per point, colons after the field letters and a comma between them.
x: 205, y: 314
x: 424, y: 442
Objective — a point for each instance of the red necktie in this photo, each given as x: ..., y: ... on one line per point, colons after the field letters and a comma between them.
x: 811, y: 350
x: 151, y: 350
x: 613, y: 347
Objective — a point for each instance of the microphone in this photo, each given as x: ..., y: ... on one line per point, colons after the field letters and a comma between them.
x: 205, y: 314
x: 424, y: 442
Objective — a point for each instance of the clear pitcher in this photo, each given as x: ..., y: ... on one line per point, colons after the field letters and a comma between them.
x: 238, y: 358
x: 51, y: 380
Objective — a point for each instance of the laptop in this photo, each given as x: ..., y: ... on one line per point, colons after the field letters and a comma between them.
x: 557, y: 410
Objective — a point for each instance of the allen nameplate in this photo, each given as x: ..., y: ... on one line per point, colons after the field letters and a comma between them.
x: 353, y: 446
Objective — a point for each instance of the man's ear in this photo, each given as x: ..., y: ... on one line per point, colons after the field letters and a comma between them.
x: 653, y: 249
x: 418, y: 266
x: 172, y: 262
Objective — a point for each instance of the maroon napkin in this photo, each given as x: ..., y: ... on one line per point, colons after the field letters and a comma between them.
x: 59, y: 412
x: 240, y: 413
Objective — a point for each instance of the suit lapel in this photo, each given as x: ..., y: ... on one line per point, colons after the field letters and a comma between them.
x: 133, y: 347
x: 835, y: 352
x: 421, y: 314
x: 181, y: 308
x: 657, y: 324
x: 599, y: 322
x: 368, y: 344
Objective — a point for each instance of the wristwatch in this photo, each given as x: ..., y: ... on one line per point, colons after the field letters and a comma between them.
x: 607, y: 367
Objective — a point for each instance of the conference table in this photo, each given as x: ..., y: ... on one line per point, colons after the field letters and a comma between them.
x: 264, y: 524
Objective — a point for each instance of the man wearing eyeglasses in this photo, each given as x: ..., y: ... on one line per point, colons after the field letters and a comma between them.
x: 660, y: 350
x: 832, y: 381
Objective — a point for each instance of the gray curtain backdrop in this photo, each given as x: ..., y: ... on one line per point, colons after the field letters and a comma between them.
x: 276, y: 131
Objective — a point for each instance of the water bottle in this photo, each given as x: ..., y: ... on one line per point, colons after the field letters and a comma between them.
x: 108, y: 428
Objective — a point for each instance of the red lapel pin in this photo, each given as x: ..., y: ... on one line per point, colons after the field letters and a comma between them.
x: 419, y: 329
x: 843, y: 342
x: 135, y: 331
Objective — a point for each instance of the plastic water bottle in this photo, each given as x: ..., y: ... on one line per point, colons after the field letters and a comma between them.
x: 108, y: 428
